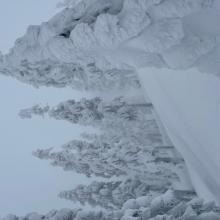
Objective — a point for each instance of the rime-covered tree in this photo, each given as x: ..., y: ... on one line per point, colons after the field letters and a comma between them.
x: 94, y: 111
x: 68, y: 214
x: 166, y: 206
x: 82, y: 78
x: 32, y: 60
x: 35, y: 110
x: 112, y: 195
x: 129, y: 142
x: 119, y: 114
x: 108, y: 157
x: 87, y: 31
x: 88, y: 163
x: 74, y: 49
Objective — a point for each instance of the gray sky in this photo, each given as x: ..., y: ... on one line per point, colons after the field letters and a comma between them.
x: 16, y: 15
x: 26, y: 183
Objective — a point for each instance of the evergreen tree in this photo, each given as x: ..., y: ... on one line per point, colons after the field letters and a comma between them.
x: 35, y: 110
x: 108, y: 158
x: 134, y: 121
x: 82, y: 78
x: 112, y: 195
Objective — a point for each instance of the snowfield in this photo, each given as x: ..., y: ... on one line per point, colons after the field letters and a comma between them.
x: 188, y: 104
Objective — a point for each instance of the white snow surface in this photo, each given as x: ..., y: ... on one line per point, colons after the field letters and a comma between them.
x: 188, y: 104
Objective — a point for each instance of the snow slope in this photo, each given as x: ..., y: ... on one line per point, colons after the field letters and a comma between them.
x: 188, y: 104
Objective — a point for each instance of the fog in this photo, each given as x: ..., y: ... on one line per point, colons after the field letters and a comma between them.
x: 28, y: 184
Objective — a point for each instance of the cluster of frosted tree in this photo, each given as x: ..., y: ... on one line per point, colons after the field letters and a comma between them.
x: 138, y: 169
x: 167, y: 206
x: 127, y: 143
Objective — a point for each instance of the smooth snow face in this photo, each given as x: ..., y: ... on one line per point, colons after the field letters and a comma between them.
x: 27, y: 183
x: 188, y: 104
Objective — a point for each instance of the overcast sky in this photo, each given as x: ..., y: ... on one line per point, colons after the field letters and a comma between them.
x: 16, y: 15
x: 26, y: 183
